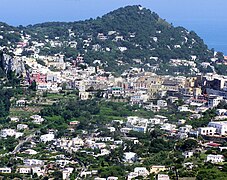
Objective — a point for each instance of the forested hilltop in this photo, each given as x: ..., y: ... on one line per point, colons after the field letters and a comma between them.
x: 129, y: 36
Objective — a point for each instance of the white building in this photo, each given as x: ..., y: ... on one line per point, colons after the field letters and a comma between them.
x: 221, y: 112
x: 30, y: 151
x: 183, y: 108
x: 22, y: 126
x: 163, y: 177
x: 221, y: 126
x: 187, y: 154
x: 66, y: 173
x: 112, y: 178
x: 142, y: 171
x: 155, y: 121
x: 84, y: 174
x: 62, y: 162
x: 99, y: 145
x: 116, y: 91
x: 139, y: 98
x: 38, y: 171
x: 215, y: 158
x: 47, y: 137
x: 20, y: 103
x: 181, y: 121
x: 7, y: 132
x: 140, y: 128
x: 104, y: 152
x: 14, y: 119
x: 112, y: 129
x: 162, y: 103
x: 24, y: 170
x: 18, y: 134
x: 5, y: 170
x: 158, y: 120
x: 137, y: 124
x: 77, y: 141
x: 168, y: 127
x: 98, y: 178
x: 37, y: 119
x: 125, y: 130
x: 130, y: 157
x: 105, y: 139
x: 122, y: 49
x: 208, y: 131
x: 84, y: 95
x: 222, y: 148
x: 185, y: 129
x: 152, y: 107
x: 172, y: 99
x: 213, y: 101
x: 31, y: 162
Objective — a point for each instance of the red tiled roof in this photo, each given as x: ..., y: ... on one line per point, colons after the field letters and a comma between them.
x: 213, y: 144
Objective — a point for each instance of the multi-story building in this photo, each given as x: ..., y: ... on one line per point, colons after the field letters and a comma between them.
x: 220, y: 126
x: 31, y: 162
x: 215, y: 158
x: 5, y: 170
x: 208, y: 131
x: 213, y: 100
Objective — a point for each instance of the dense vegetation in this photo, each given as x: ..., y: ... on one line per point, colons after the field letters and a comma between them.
x: 91, y: 113
x: 5, y: 95
x: 9, y: 84
x: 8, y: 34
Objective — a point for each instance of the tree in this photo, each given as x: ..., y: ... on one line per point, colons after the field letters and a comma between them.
x: 57, y: 175
x: 224, y: 168
x: 3, y: 112
x: 64, y: 86
x: 33, y: 86
x: 219, y: 55
x: 5, y: 101
x: 209, y: 174
x: 189, y: 144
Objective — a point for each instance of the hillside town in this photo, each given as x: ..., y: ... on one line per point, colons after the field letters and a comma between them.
x: 136, y: 125
x: 192, y: 95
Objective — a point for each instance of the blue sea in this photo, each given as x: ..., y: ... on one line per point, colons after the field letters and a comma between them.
x: 213, y: 32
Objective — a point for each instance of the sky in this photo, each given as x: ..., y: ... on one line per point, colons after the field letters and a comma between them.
x: 208, y: 18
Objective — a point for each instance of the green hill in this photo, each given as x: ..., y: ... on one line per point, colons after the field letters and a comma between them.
x: 9, y: 35
x: 126, y: 37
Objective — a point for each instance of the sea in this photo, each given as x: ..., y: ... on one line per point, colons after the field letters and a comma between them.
x: 213, y: 32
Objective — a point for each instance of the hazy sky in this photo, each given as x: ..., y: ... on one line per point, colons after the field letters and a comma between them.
x: 203, y: 16
x: 25, y: 12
